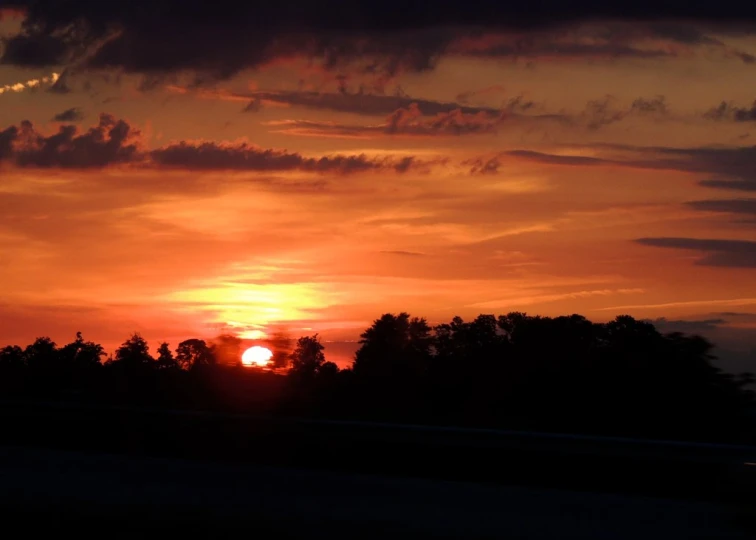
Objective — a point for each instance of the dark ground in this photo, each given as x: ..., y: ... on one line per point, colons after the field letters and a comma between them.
x: 133, y: 472
x: 129, y: 496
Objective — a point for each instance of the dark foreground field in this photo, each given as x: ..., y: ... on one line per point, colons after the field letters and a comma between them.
x: 136, y: 472
x: 129, y: 496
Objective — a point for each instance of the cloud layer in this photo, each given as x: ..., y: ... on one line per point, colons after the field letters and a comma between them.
x: 111, y: 142
x: 115, y: 142
x: 715, y: 252
x: 236, y: 36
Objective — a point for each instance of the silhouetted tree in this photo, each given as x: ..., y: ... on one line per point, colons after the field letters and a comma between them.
x: 11, y: 358
x: 41, y: 356
x: 391, y: 368
x: 82, y: 355
x: 395, y: 346
x: 468, y: 370
x: 562, y: 373
x: 12, y: 370
x: 328, y: 370
x: 165, y: 360
x: 281, y: 344
x: 192, y: 353
x: 133, y: 353
x: 307, y: 358
x: 280, y: 359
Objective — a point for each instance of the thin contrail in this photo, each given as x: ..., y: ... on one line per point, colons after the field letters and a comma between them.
x: 32, y: 83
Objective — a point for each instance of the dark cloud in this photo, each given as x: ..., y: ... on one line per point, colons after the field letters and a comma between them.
x: 737, y: 315
x: 483, y: 165
x: 255, y: 105
x: 492, y: 164
x: 465, y: 97
x: 36, y: 50
x: 747, y: 58
x: 74, y: 114
x: 115, y: 142
x: 728, y: 111
x: 715, y: 252
x: 600, y: 113
x: 734, y: 166
x: 111, y: 142
x: 7, y: 137
x: 245, y: 157
x: 653, y: 106
x: 730, y: 206
x: 605, y: 111
x: 736, y: 162
x: 412, y: 121
x: 551, y: 159
x: 61, y: 85
x: 220, y: 38
x: 373, y: 104
x: 403, y: 122
x: 544, y: 46
x: 735, y: 184
x: 743, y: 114
x: 665, y: 325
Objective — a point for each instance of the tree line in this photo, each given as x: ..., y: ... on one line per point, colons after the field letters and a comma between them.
x: 514, y: 371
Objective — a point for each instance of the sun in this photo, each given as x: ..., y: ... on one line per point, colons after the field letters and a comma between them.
x: 257, y: 356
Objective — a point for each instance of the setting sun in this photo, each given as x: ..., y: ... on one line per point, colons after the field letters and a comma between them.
x: 256, y: 356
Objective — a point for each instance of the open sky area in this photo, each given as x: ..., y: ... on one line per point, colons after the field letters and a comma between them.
x: 304, y: 167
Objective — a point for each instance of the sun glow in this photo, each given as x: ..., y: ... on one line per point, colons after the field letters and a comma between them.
x: 256, y: 356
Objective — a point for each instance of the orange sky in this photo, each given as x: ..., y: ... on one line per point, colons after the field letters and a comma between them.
x: 597, y: 185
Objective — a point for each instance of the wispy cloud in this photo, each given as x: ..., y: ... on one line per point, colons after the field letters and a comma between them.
x: 545, y: 298
x: 115, y: 142
x: 413, y: 122
x: 689, y: 303
x: 30, y: 84
x: 715, y: 252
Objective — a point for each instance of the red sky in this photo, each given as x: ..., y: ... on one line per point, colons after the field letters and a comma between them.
x: 602, y: 168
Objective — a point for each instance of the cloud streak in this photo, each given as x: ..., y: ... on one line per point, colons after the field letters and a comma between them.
x: 373, y: 104
x: 74, y: 114
x: 111, y: 142
x: 30, y: 84
x: 728, y: 206
x: 412, y: 122
x: 114, y: 142
x: 733, y: 113
x: 715, y: 252
x: 733, y: 165
x: 245, y: 157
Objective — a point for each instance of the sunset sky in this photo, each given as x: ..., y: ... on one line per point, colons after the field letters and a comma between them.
x: 189, y: 168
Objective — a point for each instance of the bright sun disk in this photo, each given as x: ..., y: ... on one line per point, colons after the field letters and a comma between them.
x: 256, y: 356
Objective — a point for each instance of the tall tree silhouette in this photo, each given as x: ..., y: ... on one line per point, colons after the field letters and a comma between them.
x: 468, y: 370
x: 165, y: 359
x: 11, y: 358
x: 307, y: 358
x: 12, y: 370
x: 281, y: 343
x: 391, y: 367
x: 81, y: 354
x: 394, y: 346
x: 42, y: 355
x: 133, y: 353
x: 192, y: 353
